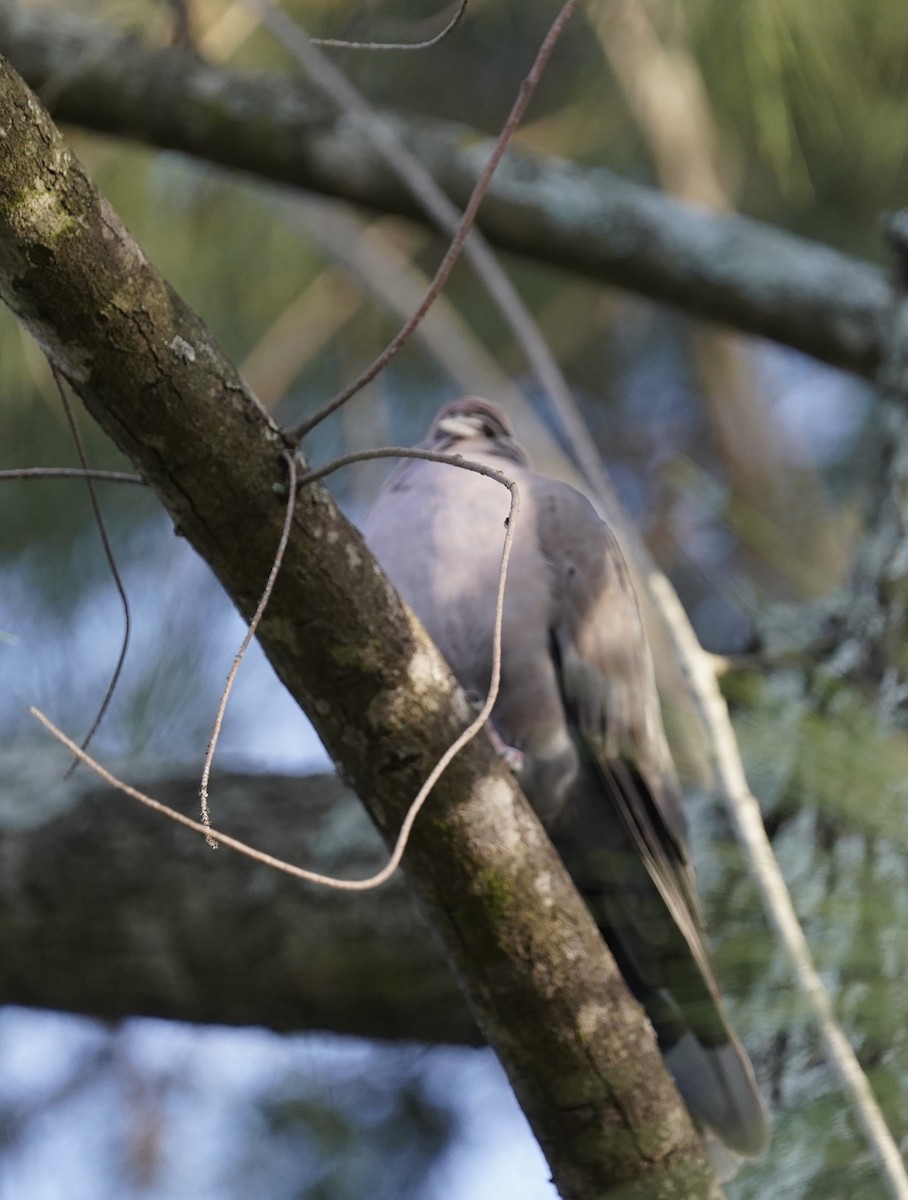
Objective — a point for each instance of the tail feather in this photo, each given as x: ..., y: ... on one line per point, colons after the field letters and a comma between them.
x: 718, y: 1086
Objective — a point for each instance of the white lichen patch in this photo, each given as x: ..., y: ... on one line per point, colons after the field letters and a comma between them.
x: 354, y: 558
x: 591, y: 1018
x: 498, y: 804
x: 423, y: 670
x: 544, y: 889
x: 182, y: 349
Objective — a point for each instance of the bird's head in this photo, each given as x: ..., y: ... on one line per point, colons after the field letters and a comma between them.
x: 473, y: 420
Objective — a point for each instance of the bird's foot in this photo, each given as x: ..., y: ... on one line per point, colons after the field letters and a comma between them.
x: 513, y: 757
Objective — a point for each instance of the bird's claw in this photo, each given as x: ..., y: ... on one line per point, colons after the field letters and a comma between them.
x: 513, y: 757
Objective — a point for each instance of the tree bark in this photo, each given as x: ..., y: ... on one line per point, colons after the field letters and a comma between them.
x: 724, y: 268
x: 545, y: 993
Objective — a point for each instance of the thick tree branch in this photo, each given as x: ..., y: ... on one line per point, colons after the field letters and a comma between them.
x: 582, y: 1060
x: 93, y: 888
x: 723, y: 268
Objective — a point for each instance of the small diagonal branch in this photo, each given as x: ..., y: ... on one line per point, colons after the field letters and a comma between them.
x: 744, y: 811
x: 700, y: 683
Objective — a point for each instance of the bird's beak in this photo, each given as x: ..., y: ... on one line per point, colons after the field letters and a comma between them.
x: 460, y: 427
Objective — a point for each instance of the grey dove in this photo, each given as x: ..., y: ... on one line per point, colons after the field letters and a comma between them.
x: 579, y: 713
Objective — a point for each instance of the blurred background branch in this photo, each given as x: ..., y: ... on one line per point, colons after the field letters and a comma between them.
x: 721, y: 267
x: 373, y: 969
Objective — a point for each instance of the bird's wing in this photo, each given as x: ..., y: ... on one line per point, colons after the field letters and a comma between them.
x: 609, y: 693
x: 574, y: 647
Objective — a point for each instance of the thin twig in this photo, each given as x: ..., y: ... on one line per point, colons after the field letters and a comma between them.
x: 744, y: 811
x: 453, y: 460
x: 382, y: 876
x: 70, y: 473
x: 427, y: 192
x: 336, y: 85
x: 108, y: 554
x: 183, y: 34
x: 343, y: 44
x: 290, y: 460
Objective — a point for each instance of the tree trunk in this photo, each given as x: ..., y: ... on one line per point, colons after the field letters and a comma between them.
x: 579, y: 1054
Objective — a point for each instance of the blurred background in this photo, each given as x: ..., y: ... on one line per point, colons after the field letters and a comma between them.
x: 744, y: 464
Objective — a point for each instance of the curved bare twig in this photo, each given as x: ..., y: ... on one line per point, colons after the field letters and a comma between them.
x: 290, y: 460
x: 108, y: 554
x: 343, y: 44
x: 70, y: 473
x: 334, y: 84
x: 215, y: 836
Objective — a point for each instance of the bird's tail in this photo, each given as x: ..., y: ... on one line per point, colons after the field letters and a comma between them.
x: 718, y: 1086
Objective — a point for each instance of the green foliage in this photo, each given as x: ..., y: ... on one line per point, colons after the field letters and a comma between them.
x: 832, y: 786
x: 810, y: 97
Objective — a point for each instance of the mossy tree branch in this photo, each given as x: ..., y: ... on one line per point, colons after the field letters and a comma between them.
x: 543, y: 990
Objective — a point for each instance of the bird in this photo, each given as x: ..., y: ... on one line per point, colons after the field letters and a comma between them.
x: 579, y: 717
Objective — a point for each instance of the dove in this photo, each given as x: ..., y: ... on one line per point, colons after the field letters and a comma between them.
x: 579, y: 718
